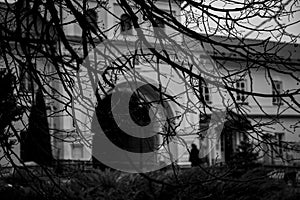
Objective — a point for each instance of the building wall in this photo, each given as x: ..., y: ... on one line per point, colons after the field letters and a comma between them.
x: 259, y: 83
x: 274, y: 119
x: 68, y: 130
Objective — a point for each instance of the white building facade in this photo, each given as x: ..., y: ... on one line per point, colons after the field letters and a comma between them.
x: 259, y: 110
x: 75, y: 139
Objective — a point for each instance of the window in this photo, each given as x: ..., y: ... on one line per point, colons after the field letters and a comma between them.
x: 126, y: 24
x: 77, y: 151
x: 276, y: 90
x: 27, y: 84
x: 159, y: 23
x: 92, y: 17
x: 278, y: 145
x: 205, y: 92
x: 242, y: 86
x: 136, y: 60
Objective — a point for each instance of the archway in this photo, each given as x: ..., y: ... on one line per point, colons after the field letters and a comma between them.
x: 145, y: 100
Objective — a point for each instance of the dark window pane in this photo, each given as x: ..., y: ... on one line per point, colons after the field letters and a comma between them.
x: 159, y: 23
x: 206, y: 90
x: 242, y: 85
x: 206, y: 97
x: 126, y: 24
x: 92, y: 18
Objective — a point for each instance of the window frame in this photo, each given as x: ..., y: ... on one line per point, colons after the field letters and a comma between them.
x: 125, y: 21
x: 276, y: 91
x: 160, y: 24
x: 241, y: 98
x: 279, y: 144
x: 136, y: 60
x: 205, y: 91
x: 27, y: 83
x: 74, y: 146
x: 92, y: 17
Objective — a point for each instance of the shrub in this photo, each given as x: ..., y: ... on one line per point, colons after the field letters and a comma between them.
x: 194, y: 183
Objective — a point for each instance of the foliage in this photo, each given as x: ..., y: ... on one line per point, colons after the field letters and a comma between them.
x: 10, y: 111
x: 194, y: 183
x: 8, y: 106
x: 245, y: 157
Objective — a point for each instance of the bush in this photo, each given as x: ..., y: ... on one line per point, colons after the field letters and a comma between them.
x: 194, y: 183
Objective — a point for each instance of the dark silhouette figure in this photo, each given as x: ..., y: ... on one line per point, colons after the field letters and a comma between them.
x: 194, y: 156
x: 36, y: 141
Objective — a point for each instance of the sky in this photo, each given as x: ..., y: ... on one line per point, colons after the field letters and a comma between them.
x: 294, y: 29
x: 263, y: 23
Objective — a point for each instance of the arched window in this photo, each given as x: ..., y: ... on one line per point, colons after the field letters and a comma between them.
x: 126, y: 24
